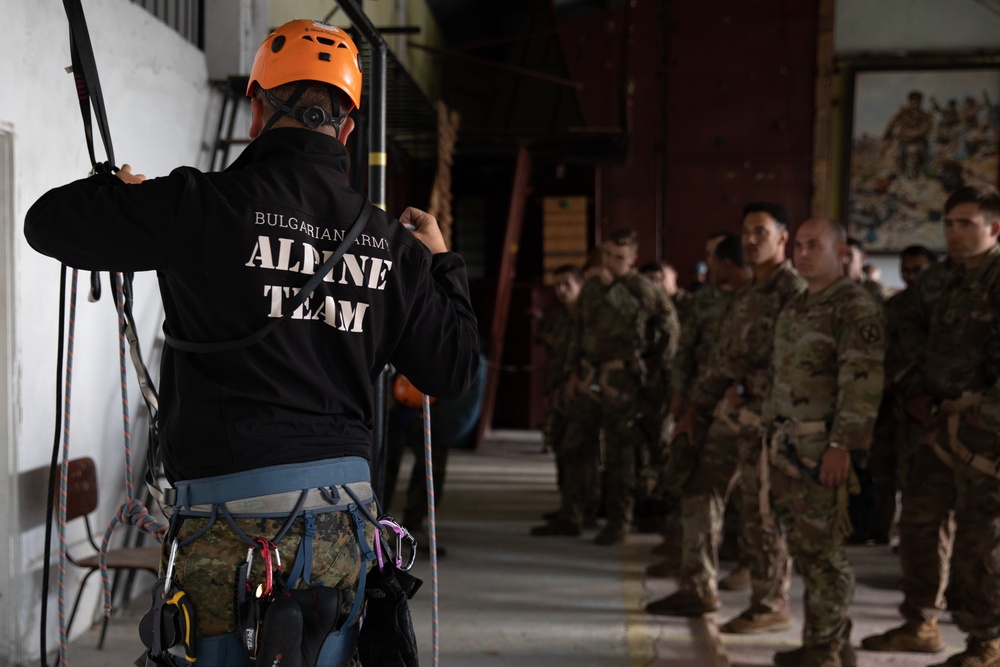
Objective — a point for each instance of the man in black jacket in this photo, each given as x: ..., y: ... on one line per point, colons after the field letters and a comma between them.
x: 291, y: 414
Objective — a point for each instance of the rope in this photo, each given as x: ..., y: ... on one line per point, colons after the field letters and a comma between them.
x: 431, y: 528
x: 131, y: 512
x: 63, y: 473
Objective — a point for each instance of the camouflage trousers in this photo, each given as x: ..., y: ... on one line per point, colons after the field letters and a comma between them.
x: 206, y: 568
x: 728, y: 462
x: 926, y: 531
x: 588, y: 420
x: 554, y: 434
x: 977, y: 540
x: 805, y: 510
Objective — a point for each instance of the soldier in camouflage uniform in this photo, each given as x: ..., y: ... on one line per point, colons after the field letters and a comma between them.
x: 621, y: 320
x: 826, y: 385
x: 699, y: 332
x: 553, y: 333
x: 735, y: 383
x: 892, y: 441
x: 855, y: 263
x: 955, y: 390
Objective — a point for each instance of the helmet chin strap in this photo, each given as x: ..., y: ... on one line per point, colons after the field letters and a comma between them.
x: 311, y: 117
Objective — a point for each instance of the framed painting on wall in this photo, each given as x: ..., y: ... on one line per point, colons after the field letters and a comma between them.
x: 916, y: 136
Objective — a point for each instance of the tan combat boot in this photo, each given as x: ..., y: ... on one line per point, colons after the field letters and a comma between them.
x: 752, y: 622
x: 737, y: 579
x: 976, y: 654
x: 911, y: 637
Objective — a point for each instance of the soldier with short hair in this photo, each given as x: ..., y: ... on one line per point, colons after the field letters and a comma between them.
x: 826, y: 368
x: 554, y: 328
x: 735, y: 383
x: 700, y: 330
x: 954, y: 392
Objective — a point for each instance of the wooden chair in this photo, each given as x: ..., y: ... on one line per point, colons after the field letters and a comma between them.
x: 81, y: 501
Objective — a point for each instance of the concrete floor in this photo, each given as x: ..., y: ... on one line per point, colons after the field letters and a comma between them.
x: 507, y: 599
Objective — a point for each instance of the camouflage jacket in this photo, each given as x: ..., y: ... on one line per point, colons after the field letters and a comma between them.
x: 874, y: 288
x: 630, y: 319
x: 743, y: 352
x: 827, y: 362
x: 898, y: 361
x: 553, y: 333
x: 956, y: 334
x: 700, y: 327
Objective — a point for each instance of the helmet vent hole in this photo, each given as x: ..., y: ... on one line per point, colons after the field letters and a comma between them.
x: 307, y: 37
x: 325, y: 57
x: 278, y: 43
x: 342, y: 46
x: 325, y: 40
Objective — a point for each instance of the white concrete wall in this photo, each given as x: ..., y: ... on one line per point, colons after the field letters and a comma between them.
x: 160, y: 110
x: 885, y: 26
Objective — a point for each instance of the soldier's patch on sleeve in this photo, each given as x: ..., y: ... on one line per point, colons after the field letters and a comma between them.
x: 870, y: 329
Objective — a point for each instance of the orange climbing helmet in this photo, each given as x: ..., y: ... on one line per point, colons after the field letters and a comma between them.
x: 406, y: 394
x: 304, y: 50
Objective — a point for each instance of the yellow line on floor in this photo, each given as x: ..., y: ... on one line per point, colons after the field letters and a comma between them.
x: 640, y: 633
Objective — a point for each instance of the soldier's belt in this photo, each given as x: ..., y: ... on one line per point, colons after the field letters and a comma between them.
x: 595, y: 380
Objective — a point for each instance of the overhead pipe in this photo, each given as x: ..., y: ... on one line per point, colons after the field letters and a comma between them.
x: 377, y: 162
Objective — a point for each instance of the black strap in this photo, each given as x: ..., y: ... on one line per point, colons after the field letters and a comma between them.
x: 300, y: 298
x: 88, y: 84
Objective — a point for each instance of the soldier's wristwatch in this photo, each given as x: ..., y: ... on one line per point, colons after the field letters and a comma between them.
x: 837, y: 445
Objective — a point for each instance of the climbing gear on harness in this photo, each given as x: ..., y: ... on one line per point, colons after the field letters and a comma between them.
x: 304, y: 625
x: 387, y: 636
x: 306, y: 50
x: 395, y: 555
x: 171, y: 621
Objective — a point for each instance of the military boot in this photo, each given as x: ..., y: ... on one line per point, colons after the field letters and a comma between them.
x: 684, y: 603
x: 737, y: 579
x: 976, y: 654
x: 611, y: 535
x: 911, y: 637
x: 809, y: 656
x: 557, y: 527
x: 846, y: 654
x: 752, y: 622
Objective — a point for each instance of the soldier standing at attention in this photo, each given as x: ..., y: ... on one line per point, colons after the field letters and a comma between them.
x: 829, y: 344
x: 892, y: 441
x: 728, y: 274
x: 553, y: 333
x: 954, y: 390
x: 735, y: 383
x: 621, y: 321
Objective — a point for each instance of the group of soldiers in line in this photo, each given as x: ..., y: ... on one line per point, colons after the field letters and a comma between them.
x: 773, y: 383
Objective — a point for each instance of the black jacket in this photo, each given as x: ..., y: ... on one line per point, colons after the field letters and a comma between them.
x: 228, y: 249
